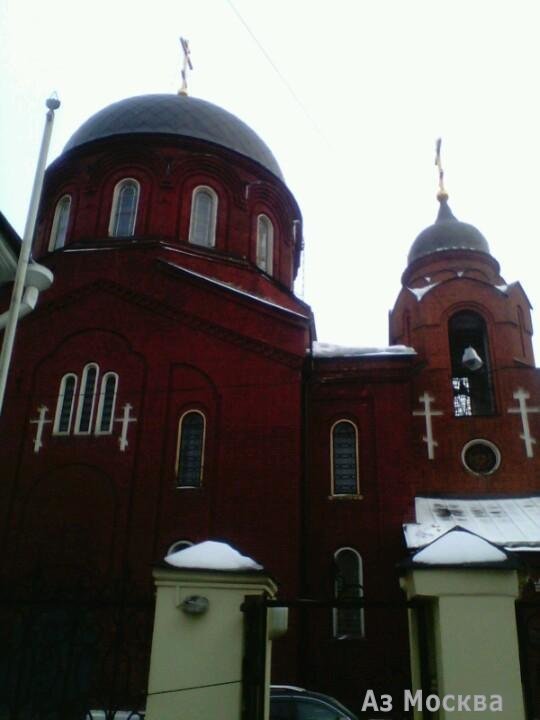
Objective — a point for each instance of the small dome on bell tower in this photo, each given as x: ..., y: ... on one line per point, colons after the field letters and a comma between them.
x: 453, y: 296
x: 447, y: 233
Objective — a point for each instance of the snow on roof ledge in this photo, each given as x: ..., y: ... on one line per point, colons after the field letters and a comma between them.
x: 212, y: 555
x: 505, y: 521
x: 459, y: 547
x: 321, y: 349
x: 421, y: 291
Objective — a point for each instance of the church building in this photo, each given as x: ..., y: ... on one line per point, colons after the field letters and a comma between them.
x: 169, y: 388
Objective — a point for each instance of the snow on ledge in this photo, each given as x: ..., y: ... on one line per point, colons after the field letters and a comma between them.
x: 421, y: 291
x: 233, y: 288
x: 321, y: 349
x: 211, y: 555
x: 459, y: 547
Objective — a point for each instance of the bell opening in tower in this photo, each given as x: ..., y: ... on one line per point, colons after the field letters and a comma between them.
x: 472, y: 385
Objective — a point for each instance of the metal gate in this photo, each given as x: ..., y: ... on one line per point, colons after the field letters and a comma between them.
x: 73, y: 653
x: 255, y: 626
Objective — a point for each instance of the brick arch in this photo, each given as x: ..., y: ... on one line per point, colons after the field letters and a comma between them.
x: 89, y: 343
x: 214, y: 168
x: 266, y: 194
x: 471, y: 306
x: 129, y: 157
x: 112, y: 353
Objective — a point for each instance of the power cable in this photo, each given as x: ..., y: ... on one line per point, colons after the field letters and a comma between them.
x: 279, y: 73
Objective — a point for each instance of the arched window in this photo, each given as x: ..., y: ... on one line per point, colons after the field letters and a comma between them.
x: 124, y: 208
x: 179, y: 545
x: 344, y: 458
x: 107, y: 401
x: 64, y: 405
x: 348, y: 585
x: 265, y: 244
x: 87, y: 396
x: 60, y: 223
x: 472, y: 385
x: 190, y: 449
x: 202, y: 226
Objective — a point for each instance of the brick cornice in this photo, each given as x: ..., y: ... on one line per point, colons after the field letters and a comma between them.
x: 177, y: 315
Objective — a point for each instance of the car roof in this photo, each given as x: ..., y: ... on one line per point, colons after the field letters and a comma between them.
x: 293, y: 691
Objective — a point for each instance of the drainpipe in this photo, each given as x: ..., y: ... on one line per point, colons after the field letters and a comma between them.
x: 303, y: 629
x: 52, y: 104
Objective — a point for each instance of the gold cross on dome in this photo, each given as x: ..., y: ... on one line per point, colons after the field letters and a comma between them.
x: 186, y: 64
x: 442, y: 190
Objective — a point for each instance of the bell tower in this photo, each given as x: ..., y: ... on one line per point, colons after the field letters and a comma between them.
x: 457, y: 310
x: 474, y: 402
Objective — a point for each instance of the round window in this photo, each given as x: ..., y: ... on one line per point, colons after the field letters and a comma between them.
x: 481, y: 457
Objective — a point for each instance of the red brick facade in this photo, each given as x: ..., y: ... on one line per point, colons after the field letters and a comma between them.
x: 191, y: 328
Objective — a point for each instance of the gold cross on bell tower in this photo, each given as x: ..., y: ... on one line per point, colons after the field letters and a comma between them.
x: 442, y: 194
x: 187, y: 64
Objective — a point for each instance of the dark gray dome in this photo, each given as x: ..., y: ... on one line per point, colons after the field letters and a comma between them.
x: 447, y: 233
x: 179, y: 115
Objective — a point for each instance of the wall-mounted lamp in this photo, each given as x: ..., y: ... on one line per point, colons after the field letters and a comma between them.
x: 195, y: 605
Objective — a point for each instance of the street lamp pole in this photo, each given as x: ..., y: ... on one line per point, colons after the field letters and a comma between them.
x: 52, y: 104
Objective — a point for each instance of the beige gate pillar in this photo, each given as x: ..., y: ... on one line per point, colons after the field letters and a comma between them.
x: 197, y: 644
x: 463, y: 633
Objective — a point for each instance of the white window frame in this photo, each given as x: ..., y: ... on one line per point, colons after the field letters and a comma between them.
x: 265, y: 259
x: 178, y: 446
x: 60, y: 405
x: 113, y: 221
x: 213, y: 216
x: 82, y: 392
x: 332, y: 478
x: 101, y: 404
x: 335, y: 623
x: 59, y: 212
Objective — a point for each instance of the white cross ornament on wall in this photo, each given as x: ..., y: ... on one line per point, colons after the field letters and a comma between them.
x: 40, y: 421
x: 426, y: 399
x: 523, y: 409
x: 125, y: 419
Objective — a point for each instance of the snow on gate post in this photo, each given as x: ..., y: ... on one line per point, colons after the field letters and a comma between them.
x: 197, y: 644
x: 463, y: 632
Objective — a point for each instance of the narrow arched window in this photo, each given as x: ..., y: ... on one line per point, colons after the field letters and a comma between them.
x: 124, y: 208
x: 348, y: 585
x: 265, y: 244
x: 60, y: 223
x: 344, y: 458
x: 190, y: 449
x: 472, y: 384
x: 106, y: 405
x: 202, y: 226
x: 87, y: 396
x: 64, y: 405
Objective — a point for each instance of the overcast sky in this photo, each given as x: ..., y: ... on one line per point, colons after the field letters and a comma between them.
x: 357, y: 94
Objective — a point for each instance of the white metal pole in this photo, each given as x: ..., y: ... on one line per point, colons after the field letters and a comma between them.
x: 52, y: 104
